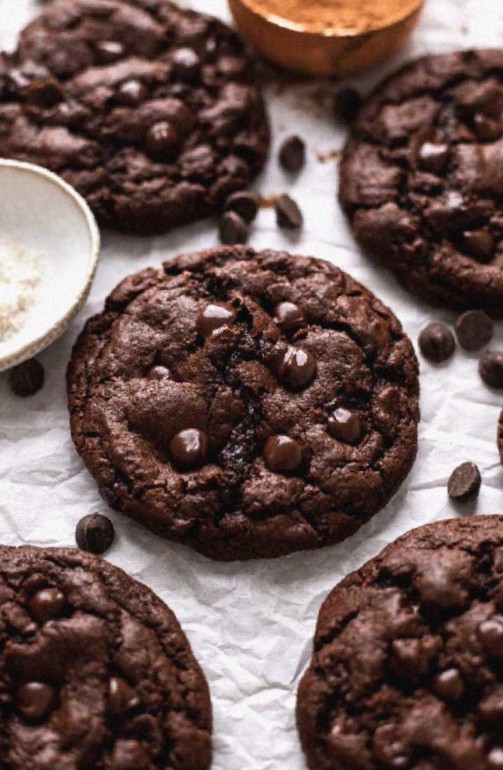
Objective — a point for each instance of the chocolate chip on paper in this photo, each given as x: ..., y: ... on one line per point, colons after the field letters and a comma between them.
x: 27, y: 379
x: 347, y: 103
x: 491, y: 369
x: 474, y: 329
x: 436, y: 342
x: 288, y: 214
x: 95, y: 533
x: 464, y: 482
x: 292, y: 154
x: 245, y: 204
x: 233, y: 229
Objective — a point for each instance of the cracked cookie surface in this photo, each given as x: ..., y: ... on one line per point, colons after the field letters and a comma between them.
x: 147, y: 109
x: 245, y: 403
x: 422, y: 178
x: 96, y: 671
x: 407, y: 664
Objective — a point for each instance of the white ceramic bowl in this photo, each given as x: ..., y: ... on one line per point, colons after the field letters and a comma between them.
x: 42, y: 213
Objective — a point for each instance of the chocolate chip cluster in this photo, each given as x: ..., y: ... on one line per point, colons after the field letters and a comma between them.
x: 295, y: 368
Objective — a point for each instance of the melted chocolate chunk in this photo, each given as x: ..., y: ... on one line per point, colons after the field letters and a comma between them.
x: 121, y: 697
x: 131, y: 93
x: 433, y: 157
x: 490, y: 634
x: 345, y: 426
x: 214, y: 316
x: 490, y: 710
x: 189, y: 449
x: 35, y: 699
x: 449, y: 685
x: 282, y: 454
x: 108, y: 51
x: 289, y: 316
x: 479, y: 244
x: 162, y: 141
x: 298, y: 368
x: 47, y: 604
x: 186, y: 64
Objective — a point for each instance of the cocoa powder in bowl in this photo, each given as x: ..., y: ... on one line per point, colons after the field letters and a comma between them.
x: 326, y: 37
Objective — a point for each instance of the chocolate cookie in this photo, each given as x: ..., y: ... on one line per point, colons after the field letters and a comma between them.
x: 147, y: 109
x: 422, y: 178
x: 246, y: 404
x: 96, y: 671
x: 407, y: 664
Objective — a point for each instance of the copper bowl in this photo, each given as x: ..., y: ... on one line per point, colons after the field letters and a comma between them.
x: 329, y: 48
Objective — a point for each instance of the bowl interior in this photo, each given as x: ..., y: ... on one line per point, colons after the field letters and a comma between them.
x: 43, y: 215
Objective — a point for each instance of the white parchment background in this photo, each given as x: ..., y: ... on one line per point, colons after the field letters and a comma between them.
x: 251, y: 624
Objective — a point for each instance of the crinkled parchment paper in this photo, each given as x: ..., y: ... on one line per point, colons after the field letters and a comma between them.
x: 251, y: 624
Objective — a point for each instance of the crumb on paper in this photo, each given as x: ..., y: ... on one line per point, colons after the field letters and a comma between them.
x: 325, y: 157
x: 267, y: 201
x: 20, y: 274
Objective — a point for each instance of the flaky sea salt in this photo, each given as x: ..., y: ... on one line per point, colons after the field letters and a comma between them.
x: 20, y: 274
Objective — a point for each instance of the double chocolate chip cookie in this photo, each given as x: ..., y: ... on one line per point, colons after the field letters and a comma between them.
x: 407, y: 665
x: 422, y: 178
x: 247, y: 404
x: 96, y: 671
x: 147, y: 109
